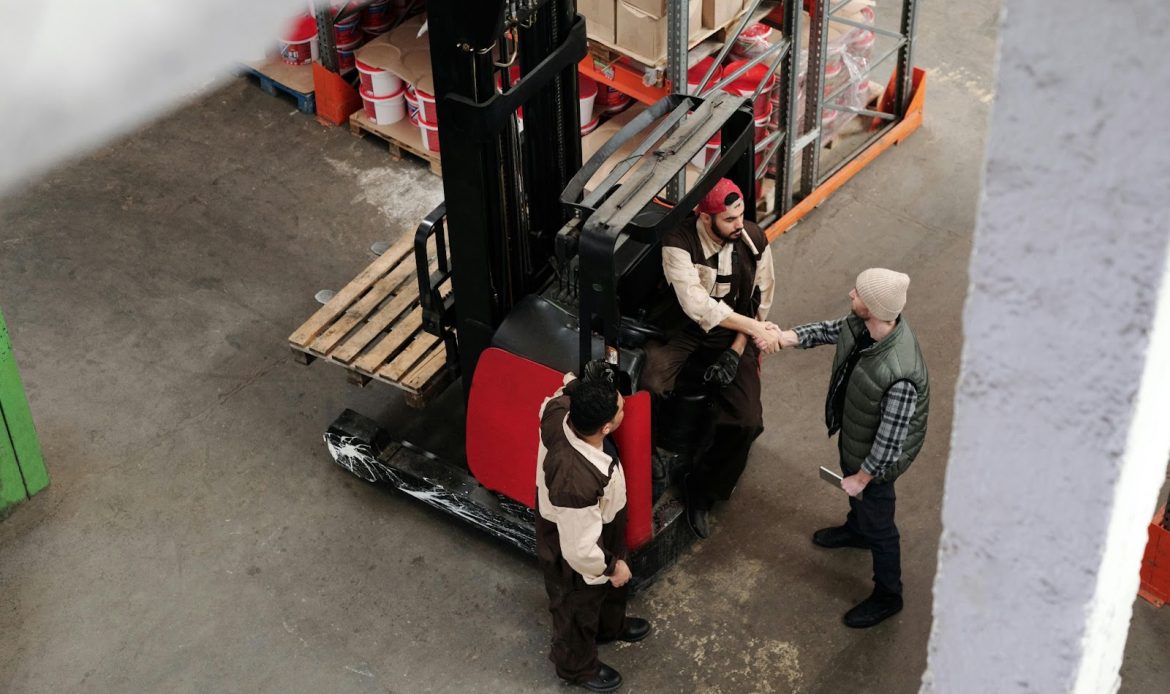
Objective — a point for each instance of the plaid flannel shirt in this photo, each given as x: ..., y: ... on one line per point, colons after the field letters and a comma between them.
x: 897, y: 404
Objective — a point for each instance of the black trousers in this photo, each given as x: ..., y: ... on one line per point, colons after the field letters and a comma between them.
x: 872, y: 517
x: 581, y: 613
x: 739, y: 413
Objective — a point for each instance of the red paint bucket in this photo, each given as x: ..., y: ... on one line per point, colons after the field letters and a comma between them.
x: 745, y: 85
x: 377, y: 81
x: 430, y: 135
x: 298, y: 46
x: 753, y: 41
x: 696, y: 73
x: 411, y: 104
x: 347, y: 31
x: 377, y: 14
x: 591, y: 125
x: 346, y: 61
x: 612, y: 100
x: 384, y: 110
x: 424, y: 91
x: 587, y: 93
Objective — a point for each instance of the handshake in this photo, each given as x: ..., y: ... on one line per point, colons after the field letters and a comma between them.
x: 769, y: 338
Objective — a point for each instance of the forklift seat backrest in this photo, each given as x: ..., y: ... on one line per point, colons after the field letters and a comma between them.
x: 503, y: 418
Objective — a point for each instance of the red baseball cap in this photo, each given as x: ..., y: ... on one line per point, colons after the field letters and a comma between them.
x: 713, y: 201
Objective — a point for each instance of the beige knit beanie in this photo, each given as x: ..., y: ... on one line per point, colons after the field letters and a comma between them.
x: 883, y: 291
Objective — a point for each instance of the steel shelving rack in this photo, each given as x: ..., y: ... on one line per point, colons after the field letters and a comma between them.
x: 801, y: 181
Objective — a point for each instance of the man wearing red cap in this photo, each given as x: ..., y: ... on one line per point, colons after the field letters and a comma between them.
x: 720, y: 268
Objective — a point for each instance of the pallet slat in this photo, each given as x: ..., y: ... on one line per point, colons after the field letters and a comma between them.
x: 409, y: 357
x: 391, y: 284
x: 391, y: 342
x: 430, y: 366
x: 336, y: 306
x: 380, y: 321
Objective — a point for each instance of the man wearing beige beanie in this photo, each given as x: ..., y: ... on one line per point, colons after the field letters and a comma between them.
x: 878, y: 400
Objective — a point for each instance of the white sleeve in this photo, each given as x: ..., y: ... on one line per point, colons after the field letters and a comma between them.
x: 766, y: 281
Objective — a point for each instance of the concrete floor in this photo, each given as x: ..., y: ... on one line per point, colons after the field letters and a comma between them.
x: 196, y: 537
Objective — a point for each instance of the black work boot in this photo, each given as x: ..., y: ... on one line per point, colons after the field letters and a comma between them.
x: 837, y: 537
x: 697, y: 506
x: 633, y: 629
x: 606, y: 680
x: 874, y: 610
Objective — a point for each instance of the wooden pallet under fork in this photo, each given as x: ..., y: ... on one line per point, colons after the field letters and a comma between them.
x: 373, y: 328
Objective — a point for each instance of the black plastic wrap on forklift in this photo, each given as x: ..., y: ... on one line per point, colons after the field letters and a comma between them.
x: 543, y: 332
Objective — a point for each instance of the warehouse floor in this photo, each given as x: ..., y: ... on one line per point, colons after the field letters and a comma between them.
x: 196, y: 537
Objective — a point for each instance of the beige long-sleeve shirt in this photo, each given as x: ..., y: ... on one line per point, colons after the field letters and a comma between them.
x: 697, y: 288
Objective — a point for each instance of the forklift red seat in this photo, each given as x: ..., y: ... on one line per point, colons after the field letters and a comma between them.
x: 502, y: 435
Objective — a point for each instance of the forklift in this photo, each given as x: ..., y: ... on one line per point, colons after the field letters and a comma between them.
x: 534, y: 265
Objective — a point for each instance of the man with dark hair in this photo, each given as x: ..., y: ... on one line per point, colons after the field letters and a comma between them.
x: 720, y: 268
x: 581, y: 527
x: 879, y: 398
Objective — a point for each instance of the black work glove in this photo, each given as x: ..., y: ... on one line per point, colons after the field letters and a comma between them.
x: 597, y: 370
x: 723, y: 371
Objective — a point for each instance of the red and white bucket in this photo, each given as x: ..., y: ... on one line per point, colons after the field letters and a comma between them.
x: 835, y: 76
x: 707, y: 155
x: 696, y: 73
x: 753, y: 41
x: 430, y: 135
x: 424, y: 91
x: 612, y: 100
x: 589, y: 127
x: 348, y: 30
x: 861, y: 44
x: 345, y: 57
x: 298, y: 46
x: 384, y: 110
x: 746, y: 84
x: 587, y: 92
x: 411, y: 104
x: 376, y: 14
x: 377, y: 81
x: 762, y: 124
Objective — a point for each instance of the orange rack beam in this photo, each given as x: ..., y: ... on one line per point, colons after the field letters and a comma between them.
x: 623, y: 79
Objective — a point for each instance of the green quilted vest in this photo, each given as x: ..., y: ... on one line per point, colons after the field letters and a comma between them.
x: 896, y: 358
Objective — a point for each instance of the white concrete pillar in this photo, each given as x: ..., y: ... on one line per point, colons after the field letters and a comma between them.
x: 1062, y: 414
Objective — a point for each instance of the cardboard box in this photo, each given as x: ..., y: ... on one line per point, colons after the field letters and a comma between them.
x: 599, y: 18
x: 716, y: 13
x: 654, y: 8
x: 643, y: 35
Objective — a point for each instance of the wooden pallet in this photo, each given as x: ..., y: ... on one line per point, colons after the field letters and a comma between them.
x: 277, y: 77
x: 373, y: 328
x: 402, y: 136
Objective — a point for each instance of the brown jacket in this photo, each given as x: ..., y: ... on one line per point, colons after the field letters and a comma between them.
x: 580, y: 496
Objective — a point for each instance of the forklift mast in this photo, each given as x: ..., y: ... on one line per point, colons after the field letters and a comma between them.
x: 502, y: 200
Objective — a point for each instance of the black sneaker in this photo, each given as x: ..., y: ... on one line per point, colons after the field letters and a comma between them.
x: 837, y: 537
x: 606, y: 680
x: 873, y: 610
